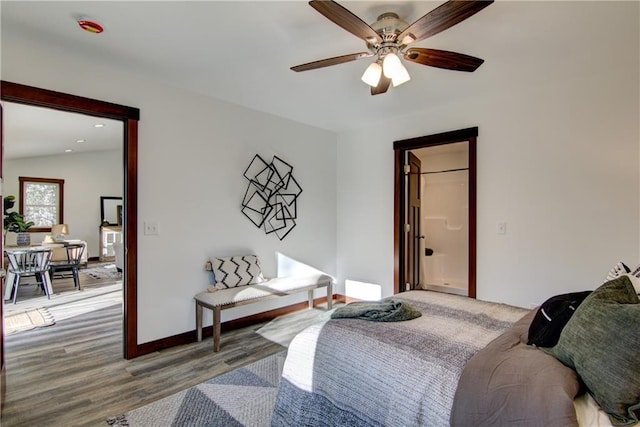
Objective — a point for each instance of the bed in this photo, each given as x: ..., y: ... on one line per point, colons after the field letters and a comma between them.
x: 459, y: 364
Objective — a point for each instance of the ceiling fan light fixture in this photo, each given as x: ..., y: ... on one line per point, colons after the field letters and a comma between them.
x: 389, y: 37
x: 391, y: 65
x: 372, y: 74
x: 402, y: 76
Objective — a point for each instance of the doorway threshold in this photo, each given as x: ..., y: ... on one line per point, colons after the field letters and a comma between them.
x: 447, y: 289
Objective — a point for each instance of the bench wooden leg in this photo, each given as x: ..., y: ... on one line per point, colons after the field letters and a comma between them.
x: 199, y: 320
x: 216, y: 329
x: 329, y: 295
x: 310, y: 298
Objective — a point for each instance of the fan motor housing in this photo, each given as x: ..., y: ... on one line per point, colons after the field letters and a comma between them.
x: 388, y: 25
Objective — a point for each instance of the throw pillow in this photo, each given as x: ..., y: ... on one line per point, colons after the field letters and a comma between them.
x: 618, y: 270
x: 635, y: 280
x: 602, y: 343
x: 552, y: 316
x: 231, y: 272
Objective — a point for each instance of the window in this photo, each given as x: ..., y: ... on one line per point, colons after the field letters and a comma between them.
x: 41, y: 201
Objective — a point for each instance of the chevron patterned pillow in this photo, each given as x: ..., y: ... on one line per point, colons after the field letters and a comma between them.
x: 618, y: 270
x: 231, y: 272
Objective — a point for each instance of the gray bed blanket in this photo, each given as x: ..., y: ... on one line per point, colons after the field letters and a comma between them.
x: 352, y: 372
x: 389, y: 310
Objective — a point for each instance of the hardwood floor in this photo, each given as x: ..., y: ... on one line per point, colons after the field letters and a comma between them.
x: 73, y: 373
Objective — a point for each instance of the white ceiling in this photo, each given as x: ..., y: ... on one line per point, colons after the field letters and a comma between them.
x: 35, y: 131
x: 241, y: 51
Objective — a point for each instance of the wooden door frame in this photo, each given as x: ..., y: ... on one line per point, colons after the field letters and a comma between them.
x: 129, y: 116
x: 399, y: 203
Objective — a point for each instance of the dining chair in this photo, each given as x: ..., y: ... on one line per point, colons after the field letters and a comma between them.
x: 72, y: 263
x: 30, y: 262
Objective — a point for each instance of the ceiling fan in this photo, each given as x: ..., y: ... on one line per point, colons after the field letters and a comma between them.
x: 388, y: 39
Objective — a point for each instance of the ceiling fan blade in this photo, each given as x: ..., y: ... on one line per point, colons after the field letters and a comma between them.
x: 383, y: 85
x: 443, y: 59
x: 441, y: 18
x: 347, y: 20
x: 331, y: 61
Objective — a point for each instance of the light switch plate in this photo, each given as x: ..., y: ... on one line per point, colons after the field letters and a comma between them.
x: 501, y: 228
x: 151, y: 228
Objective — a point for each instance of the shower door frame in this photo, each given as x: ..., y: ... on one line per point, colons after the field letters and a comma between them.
x: 401, y: 148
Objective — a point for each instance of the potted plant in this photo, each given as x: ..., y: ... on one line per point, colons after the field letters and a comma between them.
x: 14, y: 222
x: 8, y: 202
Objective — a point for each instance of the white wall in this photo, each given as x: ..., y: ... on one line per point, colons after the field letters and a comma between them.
x: 192, y: 153
x: 87, y: 176
x: 558, y: 154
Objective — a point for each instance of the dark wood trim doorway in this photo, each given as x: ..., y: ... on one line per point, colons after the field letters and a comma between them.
x: 400, y: 204
x: 28, y: 95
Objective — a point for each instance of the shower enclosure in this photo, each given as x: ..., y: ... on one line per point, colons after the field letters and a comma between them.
x: 444, y: 218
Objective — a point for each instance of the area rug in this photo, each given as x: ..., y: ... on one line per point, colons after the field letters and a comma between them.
x: 105, y: 271
x: 27, y: 320
x: 243, y: 397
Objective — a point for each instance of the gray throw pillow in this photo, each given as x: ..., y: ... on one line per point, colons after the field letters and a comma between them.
x: 601, y: 342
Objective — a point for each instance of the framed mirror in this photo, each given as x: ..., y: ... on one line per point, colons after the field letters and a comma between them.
x: 110, y: 210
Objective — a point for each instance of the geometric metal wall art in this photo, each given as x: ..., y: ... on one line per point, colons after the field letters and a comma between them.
x: 271, y: 196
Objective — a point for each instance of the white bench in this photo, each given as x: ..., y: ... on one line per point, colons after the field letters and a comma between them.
x: 273, y: 288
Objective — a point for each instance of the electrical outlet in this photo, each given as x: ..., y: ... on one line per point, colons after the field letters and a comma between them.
x: 151, y: 228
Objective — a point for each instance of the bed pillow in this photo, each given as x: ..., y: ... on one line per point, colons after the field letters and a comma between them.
x: 601, y: 342
x: 552, y: 316
x: 510, y: 383
x: 231, y: 272
x: 634, y: 275
x: 618, y: 270
x: 635, y: 280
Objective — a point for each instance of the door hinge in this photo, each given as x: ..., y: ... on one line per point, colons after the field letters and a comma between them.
x: 407, y: 169
x: 407, y: 228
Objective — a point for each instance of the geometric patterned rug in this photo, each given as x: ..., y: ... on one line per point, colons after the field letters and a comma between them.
x: 243, y: 397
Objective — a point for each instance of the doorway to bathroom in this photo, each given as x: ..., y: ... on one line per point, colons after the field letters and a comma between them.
x: 435, y: 213
x: 443, y: 242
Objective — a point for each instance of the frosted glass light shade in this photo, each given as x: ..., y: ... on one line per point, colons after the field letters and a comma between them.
x: 372, y: 74
x: 402, y: 76
x: 391, y: 65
